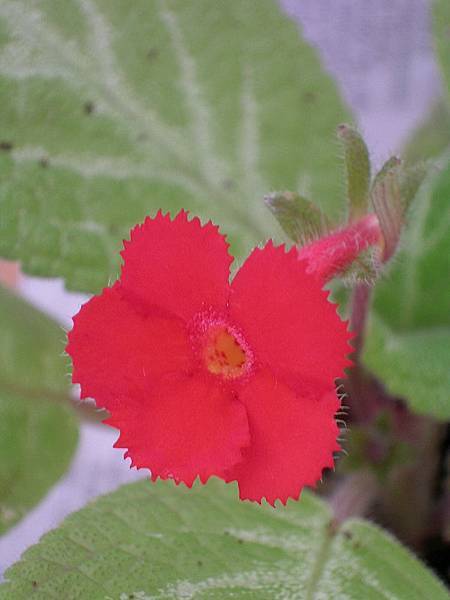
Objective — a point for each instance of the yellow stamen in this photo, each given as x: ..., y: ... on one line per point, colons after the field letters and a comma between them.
x: 223, y: 353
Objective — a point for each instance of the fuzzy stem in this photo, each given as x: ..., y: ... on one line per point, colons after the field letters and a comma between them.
x: 360, y: 308
x: 354, y: 496
x: 330, y: 255
x: 408, y: 495
x: 357, y: 385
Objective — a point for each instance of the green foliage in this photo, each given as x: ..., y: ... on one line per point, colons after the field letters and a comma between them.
x: 154, y: 541
x: 301, y: 220
x: 38, y: 432
x: 364, y: 269
x: 357, y: 165
x: 432, y: 137
x: 393, y: 189
x: 409, y: 334
x: 112, y: 109
x: 413, y: 365
x: 442, y: 37
x: 388, y: 204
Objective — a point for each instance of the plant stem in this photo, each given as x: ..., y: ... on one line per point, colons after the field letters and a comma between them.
x: 354, y: 496
x: 357, y: 385
x: 408, y: 496
x: 359, y: 312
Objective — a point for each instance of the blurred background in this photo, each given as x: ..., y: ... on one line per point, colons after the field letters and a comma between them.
x: 381, y: 55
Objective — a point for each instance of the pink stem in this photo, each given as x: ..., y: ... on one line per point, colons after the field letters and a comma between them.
x: 333, y: 253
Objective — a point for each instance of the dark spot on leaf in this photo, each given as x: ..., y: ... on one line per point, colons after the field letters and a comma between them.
x: 199, y: 563
x: 240, y: 541
x: 347, y: 534
x: 88, y: 108
x: 44, y: 162
x: 226, y: 533
x: 6, y: 146
x: 309, y: 97
x: 229, y: 184
x: 34, y: 583
x: 332, y: 527
x: 153, y: 53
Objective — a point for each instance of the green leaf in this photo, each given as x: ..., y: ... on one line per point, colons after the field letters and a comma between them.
x: 357, y: 165
x: 300, y: 219
x: 409, y: 334
x: 442, y: 37
x: 388, y: 167
x: 38, y: 431
x: 364, y: 269
x: 153, y: 541
x: 431, y: 138
x: 113, y: 109
x: 389, y: 207
x: 392, y: 192
x: 414, y: 365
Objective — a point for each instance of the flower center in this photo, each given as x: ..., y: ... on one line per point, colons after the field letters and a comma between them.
x: 223, y: 354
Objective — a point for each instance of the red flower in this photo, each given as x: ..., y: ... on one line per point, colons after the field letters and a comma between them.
x: 204, y: 377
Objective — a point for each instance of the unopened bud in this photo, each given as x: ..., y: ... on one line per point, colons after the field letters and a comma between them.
x: 335, y: 253
x: 300, y: 219
x: 357, y: 165
x: 394, y: 187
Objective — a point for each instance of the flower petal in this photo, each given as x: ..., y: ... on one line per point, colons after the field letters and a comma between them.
x: 286, y: 317
x: 116, y: 350
x: 183, y: 429
x: 293, y: 438
x: 180, y: 264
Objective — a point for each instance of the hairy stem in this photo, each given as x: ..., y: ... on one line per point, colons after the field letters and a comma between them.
x: 354, y: 496
x: 407, y: 501
x: 356, y: 385
x: 358, y: 318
